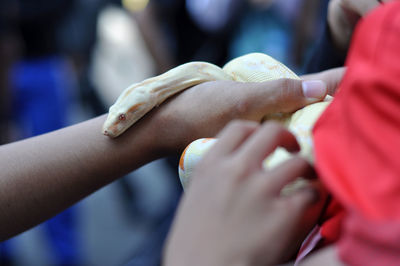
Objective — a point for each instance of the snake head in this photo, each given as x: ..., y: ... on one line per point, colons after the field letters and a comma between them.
x: 129, y: 107
x: 116, y: 122
x: 119, y: 120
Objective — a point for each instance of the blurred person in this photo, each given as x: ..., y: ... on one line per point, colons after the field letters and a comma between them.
x: 341, y: 19
x: 77, y: 37
x: 282, y: 29
x: 9, y: 52
x: 43, y: 85
x: 343, y: 16
x: 214, y: 16
x: 174, y: 36
x: 325, y: 54
x: 306, y: 29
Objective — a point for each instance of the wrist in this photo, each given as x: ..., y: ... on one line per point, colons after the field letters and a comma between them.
x: 144, y: 138
x: 171, y: 134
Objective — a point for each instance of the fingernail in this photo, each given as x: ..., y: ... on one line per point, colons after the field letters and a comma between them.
x: 314, y: 89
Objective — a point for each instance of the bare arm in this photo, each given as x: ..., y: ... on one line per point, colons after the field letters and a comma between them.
x: 41, y: 176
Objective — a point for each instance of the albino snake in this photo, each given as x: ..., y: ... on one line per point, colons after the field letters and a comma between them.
x: 140, y: 98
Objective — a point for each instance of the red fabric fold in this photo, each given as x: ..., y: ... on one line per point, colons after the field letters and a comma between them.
x: 368, y: 242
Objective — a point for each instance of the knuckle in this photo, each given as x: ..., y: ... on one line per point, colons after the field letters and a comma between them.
x: 282, y: 91
x: 286, y: 85
x: 288, y: 95
x: 284, y: 82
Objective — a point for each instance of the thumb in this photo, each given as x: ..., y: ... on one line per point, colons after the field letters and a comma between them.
x: 331, y: 77
x: 288, y: 95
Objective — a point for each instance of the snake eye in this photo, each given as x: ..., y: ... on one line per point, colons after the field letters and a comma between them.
x: 122, y: 117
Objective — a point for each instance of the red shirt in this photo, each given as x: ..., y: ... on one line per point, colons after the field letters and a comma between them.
x: 357, y: 144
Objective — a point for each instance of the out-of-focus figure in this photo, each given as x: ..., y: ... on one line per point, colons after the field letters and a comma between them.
x: 284, y: 29
x: 178, y: 31
x: 9, y: 53
x: 174, y: 37
x: 42, y: 84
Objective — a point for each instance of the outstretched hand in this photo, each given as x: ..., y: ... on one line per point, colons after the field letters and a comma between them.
x: 205, y: 109
x: 233, y: 213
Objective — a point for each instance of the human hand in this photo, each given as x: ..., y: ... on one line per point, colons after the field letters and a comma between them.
x: 343, y: 15
x: 205, y: 109
x: 233, y: 214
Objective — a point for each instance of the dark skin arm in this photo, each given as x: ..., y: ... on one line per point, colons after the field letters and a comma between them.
x: 43, y: 175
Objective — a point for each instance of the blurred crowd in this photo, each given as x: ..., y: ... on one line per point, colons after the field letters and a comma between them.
x: 63, y: 61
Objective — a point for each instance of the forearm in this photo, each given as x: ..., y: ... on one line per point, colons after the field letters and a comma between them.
x: 43, y: 175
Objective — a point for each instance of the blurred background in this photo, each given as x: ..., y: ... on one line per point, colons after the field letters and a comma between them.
x: 65, y: 61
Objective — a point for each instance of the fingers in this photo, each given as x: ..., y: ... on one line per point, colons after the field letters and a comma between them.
x: 288, y: 95
x: 232, y: 136
x: 263, y: 142
x: 287, y: 172
x: 331, y: 77
x: 299, y: 199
